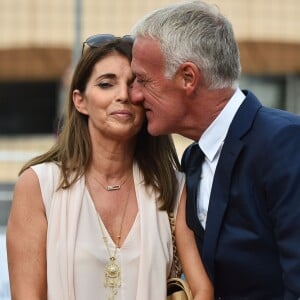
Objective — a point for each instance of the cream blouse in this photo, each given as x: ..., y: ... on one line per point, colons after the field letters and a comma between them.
x: 76, y: 253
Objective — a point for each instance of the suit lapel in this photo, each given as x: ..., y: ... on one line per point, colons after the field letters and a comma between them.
x: 219, y: 199
x: 220, y: 193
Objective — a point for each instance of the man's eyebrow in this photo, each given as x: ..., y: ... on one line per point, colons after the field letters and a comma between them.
x: 140, y: 75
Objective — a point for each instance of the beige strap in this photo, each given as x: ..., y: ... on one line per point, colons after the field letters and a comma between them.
x: 176, y: 261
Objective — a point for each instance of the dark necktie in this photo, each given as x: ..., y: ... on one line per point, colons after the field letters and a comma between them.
x: 196, y: 160
x: 193, y: 167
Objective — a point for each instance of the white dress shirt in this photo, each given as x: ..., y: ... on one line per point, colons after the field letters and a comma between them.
x: 211, y: 143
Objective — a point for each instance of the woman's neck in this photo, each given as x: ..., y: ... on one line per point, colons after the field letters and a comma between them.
x: 111, y: 160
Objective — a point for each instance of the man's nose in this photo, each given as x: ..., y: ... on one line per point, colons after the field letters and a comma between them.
x: 136, y: 94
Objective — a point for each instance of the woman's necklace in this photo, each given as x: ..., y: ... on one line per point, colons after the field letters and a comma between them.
x: 113, y: 187
x: 112, y: 270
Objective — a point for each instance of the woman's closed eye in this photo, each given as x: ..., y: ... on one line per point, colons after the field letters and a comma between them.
x: 105, y: 85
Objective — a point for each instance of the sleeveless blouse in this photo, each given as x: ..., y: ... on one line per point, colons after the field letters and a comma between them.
x: 76, y: 253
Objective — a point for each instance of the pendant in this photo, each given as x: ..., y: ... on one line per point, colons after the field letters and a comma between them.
x: 112, y: 277
x: 113, y: 187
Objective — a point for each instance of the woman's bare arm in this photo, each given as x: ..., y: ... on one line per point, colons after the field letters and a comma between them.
x: 193, y: 268
x: 26, y: 240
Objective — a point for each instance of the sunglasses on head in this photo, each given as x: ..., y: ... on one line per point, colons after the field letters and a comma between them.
x: 98, y: 40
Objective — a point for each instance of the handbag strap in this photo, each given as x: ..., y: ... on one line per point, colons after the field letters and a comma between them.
x: 176, y: 261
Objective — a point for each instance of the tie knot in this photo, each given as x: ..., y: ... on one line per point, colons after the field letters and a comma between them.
x: 196, y: 157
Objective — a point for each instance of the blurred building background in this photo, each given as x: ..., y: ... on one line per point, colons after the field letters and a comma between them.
x: 41, y: 40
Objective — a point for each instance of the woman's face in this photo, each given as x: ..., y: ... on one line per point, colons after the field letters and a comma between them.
x: 106, y: 100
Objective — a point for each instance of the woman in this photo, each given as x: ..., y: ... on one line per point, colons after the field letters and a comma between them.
x: 89, y: 217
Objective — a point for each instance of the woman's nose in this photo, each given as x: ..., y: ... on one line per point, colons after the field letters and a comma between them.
x: 124, y: 94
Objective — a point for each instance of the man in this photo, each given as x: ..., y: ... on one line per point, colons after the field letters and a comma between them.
x: 244, y: 209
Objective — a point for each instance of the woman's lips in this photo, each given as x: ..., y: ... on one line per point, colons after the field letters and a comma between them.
x: 122, y: 113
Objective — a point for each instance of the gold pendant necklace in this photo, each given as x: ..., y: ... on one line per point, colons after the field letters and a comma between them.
x: 112, y: 277
x: 113, y: 187
x: 112, y: 270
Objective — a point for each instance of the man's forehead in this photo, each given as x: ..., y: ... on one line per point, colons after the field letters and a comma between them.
x: 146, y: 51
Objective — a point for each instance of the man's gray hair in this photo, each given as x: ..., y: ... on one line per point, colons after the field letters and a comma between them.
x: 194, y: 32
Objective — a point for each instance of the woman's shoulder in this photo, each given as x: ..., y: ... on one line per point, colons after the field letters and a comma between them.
x: 27, y: 180
x: 32, y: 176
x: 46, y: 167
x: 48, y: 174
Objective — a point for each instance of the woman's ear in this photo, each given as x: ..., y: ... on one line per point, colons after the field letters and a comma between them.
x: 79, y: 102
x: 189, y: 76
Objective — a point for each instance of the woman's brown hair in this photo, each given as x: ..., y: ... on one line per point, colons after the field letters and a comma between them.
x: 155, y: 155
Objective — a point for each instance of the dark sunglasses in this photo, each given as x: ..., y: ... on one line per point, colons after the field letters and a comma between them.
x: 98, y: 40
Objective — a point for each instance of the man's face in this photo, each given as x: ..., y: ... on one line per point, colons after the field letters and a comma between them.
x: 162, y: 98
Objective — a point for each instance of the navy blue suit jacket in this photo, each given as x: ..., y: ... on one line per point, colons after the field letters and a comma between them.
x: 251, y: 244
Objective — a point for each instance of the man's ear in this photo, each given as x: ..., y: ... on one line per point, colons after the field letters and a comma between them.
x: 189, y: 76
x: 79, y: 102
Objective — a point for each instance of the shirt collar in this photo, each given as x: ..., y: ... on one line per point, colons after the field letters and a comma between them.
x: 213, y: 137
